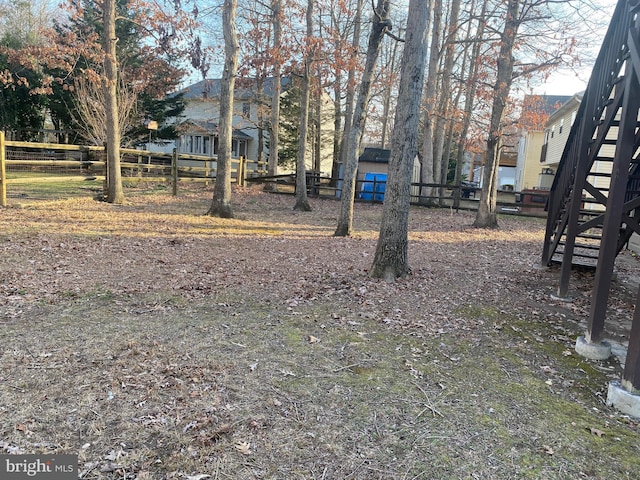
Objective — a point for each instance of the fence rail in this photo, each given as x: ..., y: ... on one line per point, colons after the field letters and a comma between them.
x: 79, y: 162
x: 76, y: 163
x: 464, y: 197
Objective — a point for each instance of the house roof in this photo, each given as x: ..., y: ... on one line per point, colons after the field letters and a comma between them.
x: 245, y: 88
x: 375, y: 155
x: 210, y: 128
x: 546, y: 103
x: 572, y: 104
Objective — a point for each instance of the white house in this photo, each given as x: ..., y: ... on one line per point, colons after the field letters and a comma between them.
x: 198, y: 124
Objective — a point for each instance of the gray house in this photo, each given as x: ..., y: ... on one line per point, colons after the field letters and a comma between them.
x: 198, y: 127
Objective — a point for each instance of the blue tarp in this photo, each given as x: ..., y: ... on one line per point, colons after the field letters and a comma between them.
x: 377, y: 181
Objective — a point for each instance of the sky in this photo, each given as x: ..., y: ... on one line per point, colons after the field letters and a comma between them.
x: 566, y: 82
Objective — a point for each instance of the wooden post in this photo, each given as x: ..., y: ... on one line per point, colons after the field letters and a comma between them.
x: 3, y: 172
x: 241, y: 170
x: 105, y: 186
x: 373, y: 192
x: 174, y: 172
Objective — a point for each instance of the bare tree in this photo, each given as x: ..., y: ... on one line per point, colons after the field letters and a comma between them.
x: 274, y: 128
x: 427, y: 174
x: 528, y: 45
x: 379, y: 27
x: 441, y: 161
x: 91, y: 108
x: 470, y: 94
x: 302, y: 201
x: 221, y: 204
x: 389, y: 83
x: 486, y: 215
x: 115, y: 193
x: 391, y: 257
x: 351, y: 80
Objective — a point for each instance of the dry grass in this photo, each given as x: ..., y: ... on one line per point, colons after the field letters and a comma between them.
x: 157, y: 342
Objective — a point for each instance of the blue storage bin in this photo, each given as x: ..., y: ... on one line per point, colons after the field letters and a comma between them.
x: 380, y: 185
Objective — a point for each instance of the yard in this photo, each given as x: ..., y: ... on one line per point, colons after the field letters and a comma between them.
x: 158, y: 343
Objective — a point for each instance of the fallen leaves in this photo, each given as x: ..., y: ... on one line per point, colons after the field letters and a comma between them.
x: 243, y: 447
x: 215, y: 387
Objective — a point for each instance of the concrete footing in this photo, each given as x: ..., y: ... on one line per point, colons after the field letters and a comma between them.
x: 593, y: 351
x: 623, y: 400
x: 566, y: 299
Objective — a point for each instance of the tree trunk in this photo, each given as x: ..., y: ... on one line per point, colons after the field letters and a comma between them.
x: 260, y: 118
x: 115, y: 193
x: 302, y: 201
x: 351, y: 81
x: 427, y: 194
x: 274, y: 128
x: 487, y: 217
x: 378, y: 28
x: 386, y: 104
x: 337, y: 125
x: 391, y: 259
x: 442, y: 161
x: 318, y: 127
x: 221, y: 204
x: 470, y: 94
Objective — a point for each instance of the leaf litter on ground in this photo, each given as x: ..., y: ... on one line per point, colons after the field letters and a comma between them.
x: 169, y: 342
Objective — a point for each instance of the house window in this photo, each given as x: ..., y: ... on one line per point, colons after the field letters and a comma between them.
x: 197, y: 144
x: 246, y: 109
x: 553, y: 130
x: 187, y: 144
x: 206, y: 145
x: 561, y: 125
x: 238, y: 148
x: 573, y: 117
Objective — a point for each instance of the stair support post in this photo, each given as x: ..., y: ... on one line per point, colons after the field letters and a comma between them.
x: 625, y: 148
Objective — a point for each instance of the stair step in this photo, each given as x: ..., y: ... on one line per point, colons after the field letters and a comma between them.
x: 578, y: 254
x: 577, y: 262
x: 591, y: 213
x: 589, y: 236
x: 586, y: 246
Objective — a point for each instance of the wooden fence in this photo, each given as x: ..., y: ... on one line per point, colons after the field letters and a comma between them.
x: 78, y: 163
x: 526, y: 203
x: 69, y: 163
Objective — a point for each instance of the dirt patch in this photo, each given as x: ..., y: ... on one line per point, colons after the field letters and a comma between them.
x: 156, y: 342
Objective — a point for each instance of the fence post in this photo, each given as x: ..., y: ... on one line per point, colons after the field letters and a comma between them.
x: 174, y: 172
x: 3, y: 172
x: 105, y: 185
x: 241, y: 170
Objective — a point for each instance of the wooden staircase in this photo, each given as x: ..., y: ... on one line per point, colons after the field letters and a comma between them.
x: 594, y: 202
x: 580, y: 198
